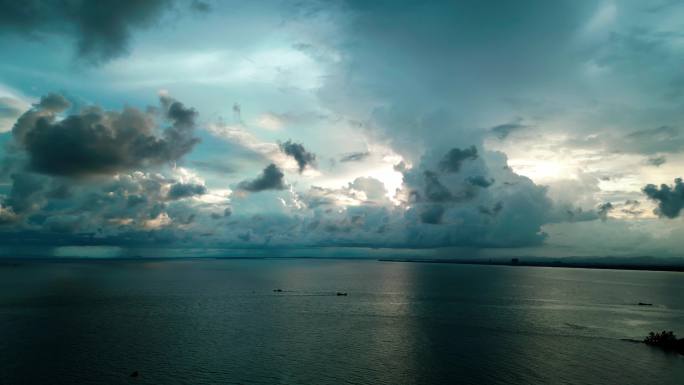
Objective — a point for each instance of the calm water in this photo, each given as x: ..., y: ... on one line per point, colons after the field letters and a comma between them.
x: 219, y: 321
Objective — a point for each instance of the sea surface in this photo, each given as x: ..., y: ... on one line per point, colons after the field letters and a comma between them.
x: 219, y: 321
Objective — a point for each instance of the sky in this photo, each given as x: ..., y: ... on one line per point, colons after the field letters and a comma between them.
x: 360, y: 128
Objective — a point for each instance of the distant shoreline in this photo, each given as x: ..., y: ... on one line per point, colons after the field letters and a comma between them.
x: 537, y: 263
x: 513, y: 262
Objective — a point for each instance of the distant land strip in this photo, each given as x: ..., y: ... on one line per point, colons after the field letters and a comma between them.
x: 538, y: 263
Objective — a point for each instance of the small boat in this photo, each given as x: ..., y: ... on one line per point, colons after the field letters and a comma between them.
x: 645, y: 304
x: 340, y: 294
x: 277, y: 290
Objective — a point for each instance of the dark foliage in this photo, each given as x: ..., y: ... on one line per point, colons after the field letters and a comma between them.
x: 666, y: 340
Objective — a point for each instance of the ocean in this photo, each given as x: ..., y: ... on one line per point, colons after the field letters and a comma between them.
x: 223, y: 321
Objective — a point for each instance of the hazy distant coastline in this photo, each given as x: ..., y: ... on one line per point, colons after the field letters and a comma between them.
x: 567, y: 263
x: 645, y: 263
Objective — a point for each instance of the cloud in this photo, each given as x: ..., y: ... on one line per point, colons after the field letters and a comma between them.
x: 354, y: 156
x: 656, y: 161
x: 98, y: 142
x: 432, y: 214
x: 238, y: 135
x: 434, y: 190
x: 186, y: 190
x: 10, y: 110
x: 270, y: 121
x: 200, y: 6
x: 53, y: 102
x: 373, y: 189
x: 27, y: 192
x: 107, y: 207
x: 410, y: 99
x: 502, y: 131
x: 653, y: 140
x: 455, y: 157
x: 444, y: 208
x: 7, y: 216
x: 361, y: 191
x: 604, y: 209
x: 102, y: 29
x: 492, y: 211
x: 631, y: 207
x: 271, y: 178
x: 299, y: 153
x: 214, y: 166
x: 670, y: 199
x: 480, y: 181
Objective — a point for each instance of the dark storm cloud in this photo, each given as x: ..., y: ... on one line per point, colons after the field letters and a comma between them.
x: 670, y: 198
x: 186, y: 190
x: 480, y: 181
x: 270, y: 179
x: 432, y: 214
x: 435, y: 191
x: 453, y: 160
x: 25, y: 193
x: 53, y: 102
x: 354, y: 156
x: 299, y: 153
x: 491, y: 211
x: 603, y: 209
x: 98, y: 142
x: 102, y: 29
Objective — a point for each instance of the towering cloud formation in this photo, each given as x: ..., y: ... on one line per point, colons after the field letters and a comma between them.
x: 670, y: 199
x: 299, y: 153
x: 453, y: 201
x: 96, y: 142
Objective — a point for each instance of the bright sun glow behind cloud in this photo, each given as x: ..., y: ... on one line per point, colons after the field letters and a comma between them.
x: 544, y: 170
